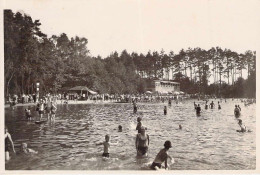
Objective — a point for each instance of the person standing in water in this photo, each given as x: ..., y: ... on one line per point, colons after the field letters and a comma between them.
x: 212, y: 105
x: 239, y: 108
x: 53, y: 111
x: 195, y: 105
x: 198, y: 109
x: 8, y: 139
x: 162, y: 156
x: 106, y: 144
x: 135, y: 107
x: 165, y: 110
x: 41, y: 109
x: 236, y: 111
x: 139, y: 124
x: 142, y: 143
x: 206, y: 105
x: 48, y: 108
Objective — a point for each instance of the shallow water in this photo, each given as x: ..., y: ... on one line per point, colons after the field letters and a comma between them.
x: 207, y: 142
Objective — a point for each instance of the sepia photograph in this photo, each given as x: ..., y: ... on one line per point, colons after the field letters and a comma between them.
x: 130, y: 85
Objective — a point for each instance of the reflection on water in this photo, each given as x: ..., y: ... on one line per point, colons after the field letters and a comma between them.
x: 208, y: 142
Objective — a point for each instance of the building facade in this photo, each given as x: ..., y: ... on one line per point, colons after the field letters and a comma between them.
x: 166, y: 86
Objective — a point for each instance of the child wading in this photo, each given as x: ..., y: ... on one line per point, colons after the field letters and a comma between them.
x: 106, y: 144
x: 139, y: 124
x: 162, y: 156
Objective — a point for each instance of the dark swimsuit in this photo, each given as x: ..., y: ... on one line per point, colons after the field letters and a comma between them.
x: 142, y: 149
x: 6, y: 145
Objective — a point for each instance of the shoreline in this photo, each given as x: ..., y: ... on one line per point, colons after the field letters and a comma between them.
x: 58, y: 102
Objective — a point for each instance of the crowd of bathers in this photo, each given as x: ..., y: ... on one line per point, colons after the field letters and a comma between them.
x: 142, y: 141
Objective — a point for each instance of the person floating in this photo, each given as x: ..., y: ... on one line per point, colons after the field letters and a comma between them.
x: 242, y: 126
x: 26, y: 150
x: 8, y: 139
x: 165, y: 110
x: 120, y: 129
x: 139, y: 124
x: 198, y: 109
x: 236, y: 111
x: 142, y: 142
x: 162, y: 156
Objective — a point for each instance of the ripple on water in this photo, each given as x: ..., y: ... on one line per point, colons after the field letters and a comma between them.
x: 209, y: 141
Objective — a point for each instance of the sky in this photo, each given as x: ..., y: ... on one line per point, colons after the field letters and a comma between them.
x: 142, y: 25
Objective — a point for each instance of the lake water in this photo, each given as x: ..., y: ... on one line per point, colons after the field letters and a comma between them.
x: 207, y: 142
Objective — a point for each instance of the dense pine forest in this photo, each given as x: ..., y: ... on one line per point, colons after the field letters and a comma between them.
x: 60, y: 62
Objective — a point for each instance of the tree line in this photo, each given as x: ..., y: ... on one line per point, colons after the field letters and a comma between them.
x: 59, y: 62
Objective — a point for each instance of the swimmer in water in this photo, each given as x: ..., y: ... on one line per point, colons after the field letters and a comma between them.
x: 219, y: 107
x: 165, y: 110
x: 162, y: 156
x: 120, y: 128
x: 206, y: 105
x: 26, y: 150
x: 142, y: 142
x: 106, y: 144
x: 239, y: 108
x: 53, y: 111
x: 170, y: 102
x: 180, y: 127
x: 8, y: 139
x: 139, y: 124
x: 135, y: 107
x: 198, y: 110
x: 195, y: 105
x: 41, y: 109
x: 242, y: 127
x: 236, y: 111
x: 212, y: 105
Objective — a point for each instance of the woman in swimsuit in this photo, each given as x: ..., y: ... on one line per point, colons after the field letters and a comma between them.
x: 142, y: 142
x: 8, y: 140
